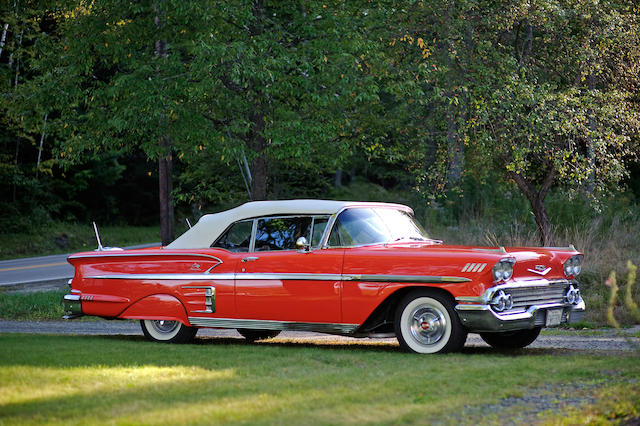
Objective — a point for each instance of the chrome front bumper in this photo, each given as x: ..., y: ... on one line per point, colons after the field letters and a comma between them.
x: 481, y: 318
x: 72, y: 306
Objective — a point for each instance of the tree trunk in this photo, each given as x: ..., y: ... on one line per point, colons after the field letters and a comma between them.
x: 44, y: 127
x: 165, y: 188
x: 259, y: 166
x: 165, y: 159
x: 591, y: 123
x: 257, y: 141
x: 337, y: 178
x: 15, y: 82
x: 454, y: 112
x: 260, y: 177
x: 4, y: 37
x: 245, y: 172
x: 455, y: 147
x: 545, y: 231
x: 536, y: 199
x: 15, y: 164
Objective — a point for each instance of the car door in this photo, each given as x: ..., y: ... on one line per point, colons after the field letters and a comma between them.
x: 278, y: 281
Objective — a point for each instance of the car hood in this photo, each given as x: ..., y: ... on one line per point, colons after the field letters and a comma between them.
x: 470, y: 262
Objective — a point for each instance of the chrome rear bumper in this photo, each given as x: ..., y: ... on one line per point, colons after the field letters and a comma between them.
x: 481, y: 318
x: 72, y: 306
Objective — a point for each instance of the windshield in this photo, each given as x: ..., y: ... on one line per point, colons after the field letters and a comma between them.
x: 362, y: 226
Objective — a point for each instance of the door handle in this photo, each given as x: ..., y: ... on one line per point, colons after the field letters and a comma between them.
x: 250, y: 259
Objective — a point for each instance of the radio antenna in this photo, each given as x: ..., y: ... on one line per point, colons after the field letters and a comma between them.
x: 95, y: 228
x: 188, y: 223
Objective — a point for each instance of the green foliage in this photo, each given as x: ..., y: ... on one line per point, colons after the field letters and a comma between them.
x: 283, y: 84
x: 213, y: 83
x: 432, y: 96
x: 543, y: 93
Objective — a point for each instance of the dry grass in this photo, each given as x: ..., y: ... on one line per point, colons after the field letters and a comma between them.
x: 608, y: 243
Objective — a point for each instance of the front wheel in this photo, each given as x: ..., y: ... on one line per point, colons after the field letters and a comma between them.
x: 167, y: 331
x: 511, y: 339
x: 426, y: 323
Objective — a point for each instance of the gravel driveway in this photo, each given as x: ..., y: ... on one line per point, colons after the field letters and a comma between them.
x: 605, y: 340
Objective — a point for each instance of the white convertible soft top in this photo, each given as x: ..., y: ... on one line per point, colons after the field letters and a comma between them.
x: 210, y: 226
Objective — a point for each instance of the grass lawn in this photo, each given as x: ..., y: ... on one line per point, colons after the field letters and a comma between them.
x: 126, y: 380
x: 38, y: 305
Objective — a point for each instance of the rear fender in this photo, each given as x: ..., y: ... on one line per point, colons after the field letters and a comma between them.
x: 157, y: 307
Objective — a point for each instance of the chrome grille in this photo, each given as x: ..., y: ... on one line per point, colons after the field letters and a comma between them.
x: 524, y: 297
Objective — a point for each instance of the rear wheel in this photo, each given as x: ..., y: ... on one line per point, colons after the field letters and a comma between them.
x: 253, y: 335
x: 167, y: 331
x: 426, y: 323
x: 511, y: 339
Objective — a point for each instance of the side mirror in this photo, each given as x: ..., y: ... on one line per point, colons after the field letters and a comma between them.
x: 303, y: 244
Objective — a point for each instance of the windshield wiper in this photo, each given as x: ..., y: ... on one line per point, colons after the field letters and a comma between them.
x: 411, y: 238
x: 421, y: 239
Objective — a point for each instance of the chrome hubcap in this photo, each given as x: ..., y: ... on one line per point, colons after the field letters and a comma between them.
x: 162, y: 326
x: 428, y: 324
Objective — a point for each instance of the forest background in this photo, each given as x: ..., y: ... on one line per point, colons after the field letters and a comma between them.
x: 501, y: 123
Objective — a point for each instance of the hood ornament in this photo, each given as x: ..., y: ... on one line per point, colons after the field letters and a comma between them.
x: 540, y: 270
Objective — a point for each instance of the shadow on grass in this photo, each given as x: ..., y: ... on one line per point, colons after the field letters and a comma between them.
x: 363, y: 345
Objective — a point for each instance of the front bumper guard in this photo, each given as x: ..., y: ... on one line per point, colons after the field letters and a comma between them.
x: 72, y: 306
x: 481, y: 318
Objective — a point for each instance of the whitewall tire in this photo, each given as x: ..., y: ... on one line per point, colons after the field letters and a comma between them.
x: 427, y: 323
x: 167, y: 331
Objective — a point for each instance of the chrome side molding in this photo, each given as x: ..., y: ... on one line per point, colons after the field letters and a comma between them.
x: 333, y: 328
x: 423, y: 279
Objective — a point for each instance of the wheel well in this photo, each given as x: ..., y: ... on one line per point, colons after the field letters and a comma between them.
x: 157, y: 307
x: 381, y: 319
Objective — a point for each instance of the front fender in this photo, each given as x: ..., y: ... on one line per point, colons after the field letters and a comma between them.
x: 157, y: 307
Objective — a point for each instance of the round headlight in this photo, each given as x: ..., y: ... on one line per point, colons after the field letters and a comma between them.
x: 503, y: 270
x: 501, y: 301
x: 508, y: 271
x: 568, y: 269
x: 573, y: 295
x: 573, y: 265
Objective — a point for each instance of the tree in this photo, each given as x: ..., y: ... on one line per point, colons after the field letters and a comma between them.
x: 119, y: 75
x: 260, y: 82
x: 281, y: 81
x: 25, y: 175
x: 561, y: 110
x: 546, y: 90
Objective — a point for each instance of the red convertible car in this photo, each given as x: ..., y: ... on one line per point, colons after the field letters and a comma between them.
x: 350, y: 268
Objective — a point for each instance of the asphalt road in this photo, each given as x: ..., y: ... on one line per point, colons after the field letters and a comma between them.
x: 36, y: 271
x: 604, y: 341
